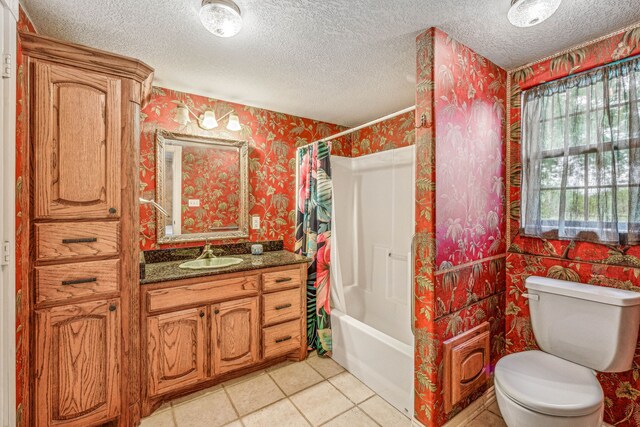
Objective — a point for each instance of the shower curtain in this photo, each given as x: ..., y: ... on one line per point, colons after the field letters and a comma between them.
x: 313, y: 237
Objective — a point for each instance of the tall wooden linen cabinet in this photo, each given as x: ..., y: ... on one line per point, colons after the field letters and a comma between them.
x: 80, y: 253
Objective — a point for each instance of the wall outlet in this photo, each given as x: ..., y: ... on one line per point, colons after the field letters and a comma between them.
x: 255, y: 222
x: 194, y: 203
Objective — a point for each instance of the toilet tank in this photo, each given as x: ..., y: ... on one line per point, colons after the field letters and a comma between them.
x: 592, y: 326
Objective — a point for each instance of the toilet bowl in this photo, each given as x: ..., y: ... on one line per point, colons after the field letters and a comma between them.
x: 536, y: 389
x: 580, y: 329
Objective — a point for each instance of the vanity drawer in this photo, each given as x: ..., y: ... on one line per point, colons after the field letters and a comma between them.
x: 82, y: 279
x: 281, y: 339
x: 202, y: 293
x: 281, y: 306
x: 74, y: 240
x: 281, y: 280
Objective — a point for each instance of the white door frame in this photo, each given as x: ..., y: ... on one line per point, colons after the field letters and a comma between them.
x: 8, y: 19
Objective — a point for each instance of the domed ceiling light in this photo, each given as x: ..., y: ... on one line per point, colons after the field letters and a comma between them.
x: 221, y: 17
x: 527, y: 13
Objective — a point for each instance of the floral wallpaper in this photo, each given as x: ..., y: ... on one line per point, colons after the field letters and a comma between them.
x: 212, y: 177
x: 426, y: 337
x: 24, y: 24
x: 396, y: 132
x: 614, y: 266
x: 461, y: 98
x: 273, y: 138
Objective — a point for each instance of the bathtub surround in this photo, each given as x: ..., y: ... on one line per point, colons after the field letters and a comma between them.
x: 461, y: 98
x: 272, y: 139
x: 313, y: 237
x: 596, y: 264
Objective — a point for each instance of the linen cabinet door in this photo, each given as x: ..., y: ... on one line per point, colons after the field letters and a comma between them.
x: 176, y: 349
x: 77, y: 138
x: 78, y: 364
x: 235, y: 333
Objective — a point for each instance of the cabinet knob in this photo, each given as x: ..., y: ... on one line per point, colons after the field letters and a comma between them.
x: 112, y: 210
x: 202, y: 314
x: 112, y: 307
x: 216, y: 311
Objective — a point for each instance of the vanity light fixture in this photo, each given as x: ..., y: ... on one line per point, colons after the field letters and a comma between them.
x: 207, y: 120
x: 527, y: 13
x: 221, y: 17
x: 234, y: 122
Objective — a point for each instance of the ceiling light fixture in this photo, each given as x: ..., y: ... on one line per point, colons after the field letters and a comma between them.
x: 527, y: 13
x: 221, y: 17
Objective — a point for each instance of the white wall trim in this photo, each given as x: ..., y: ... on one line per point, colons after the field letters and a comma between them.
x: 8, y: 17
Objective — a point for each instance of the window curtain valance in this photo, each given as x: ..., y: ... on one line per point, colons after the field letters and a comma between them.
x: 581, y: 156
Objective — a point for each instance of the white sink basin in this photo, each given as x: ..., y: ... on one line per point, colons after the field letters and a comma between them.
x: 206, y: 263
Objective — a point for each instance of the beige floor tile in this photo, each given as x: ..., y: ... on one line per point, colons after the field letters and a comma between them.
x: 353, y: 418
x: 487, y: 419
x: 244, y: 378
x: 235, y: 423
x: 321, y: 403
x: 296, y: 377
x: 383, y: 413
x: 162, y: 418
x: 254, y: 394
x: 325, y: 366
x: 495, y: 408
x: 351, y: 387
x: 209, y: 410
x: 281, y: 414
x: 196, y: 395
x: 281, y: 365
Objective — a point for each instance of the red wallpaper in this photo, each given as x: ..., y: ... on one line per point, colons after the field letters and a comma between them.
x: 396, y: 132
x: 576, y: 261
x: 273, y: 138
x: 24, y: 24
x: 211, y: 176
x: 461, y: 173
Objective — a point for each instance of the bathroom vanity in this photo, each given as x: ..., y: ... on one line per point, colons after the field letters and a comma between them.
x: 202, y: 327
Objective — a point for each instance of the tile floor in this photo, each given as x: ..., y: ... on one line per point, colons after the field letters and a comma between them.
x: 316, y: 392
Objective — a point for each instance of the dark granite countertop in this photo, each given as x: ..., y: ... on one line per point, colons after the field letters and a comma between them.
x: 167, y: 271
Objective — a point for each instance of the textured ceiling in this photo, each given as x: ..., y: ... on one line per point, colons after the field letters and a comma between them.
x: 341, y: 61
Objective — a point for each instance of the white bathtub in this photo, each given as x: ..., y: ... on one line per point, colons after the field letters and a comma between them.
x: 371, y: 291
x: 381, y: 362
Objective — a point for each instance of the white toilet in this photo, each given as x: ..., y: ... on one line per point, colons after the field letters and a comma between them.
x: 580, y: 329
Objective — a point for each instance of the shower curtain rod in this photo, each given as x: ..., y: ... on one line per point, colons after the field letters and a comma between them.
x: 366, y: 125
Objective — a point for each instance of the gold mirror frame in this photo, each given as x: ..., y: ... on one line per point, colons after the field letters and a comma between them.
x: 243, y: 215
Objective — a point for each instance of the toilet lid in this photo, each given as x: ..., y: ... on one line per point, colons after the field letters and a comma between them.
x: 549, y: 385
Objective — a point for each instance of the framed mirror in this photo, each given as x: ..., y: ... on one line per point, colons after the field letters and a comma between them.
x: 203, y: 184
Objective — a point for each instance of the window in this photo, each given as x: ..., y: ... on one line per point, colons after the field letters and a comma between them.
x: 581, y: 156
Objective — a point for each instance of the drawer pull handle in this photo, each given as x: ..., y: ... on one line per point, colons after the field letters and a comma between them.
x: 112, y: 307
x: 216, y: 311
x: 283, y: 279
x: 79, y: 281
x: 283, y: 339
x: 82, y: 240
x: 202, y: 314
x: 283, y: 306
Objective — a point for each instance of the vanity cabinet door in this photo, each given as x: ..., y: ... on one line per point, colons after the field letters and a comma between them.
x: 77, y: 138
x: 77, y: 371
x: 176, y: 350
x: 235, y: 332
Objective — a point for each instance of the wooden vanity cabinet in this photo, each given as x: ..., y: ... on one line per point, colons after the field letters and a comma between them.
x: 79, y: 252
x: 202, y: 331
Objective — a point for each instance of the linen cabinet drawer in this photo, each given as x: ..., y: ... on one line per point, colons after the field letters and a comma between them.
x: 75, y: 240
x: 200, y: 293
x: 281, y: 306
x: 281, y: 339
x: 281, y: 280
x: 76, y: 280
